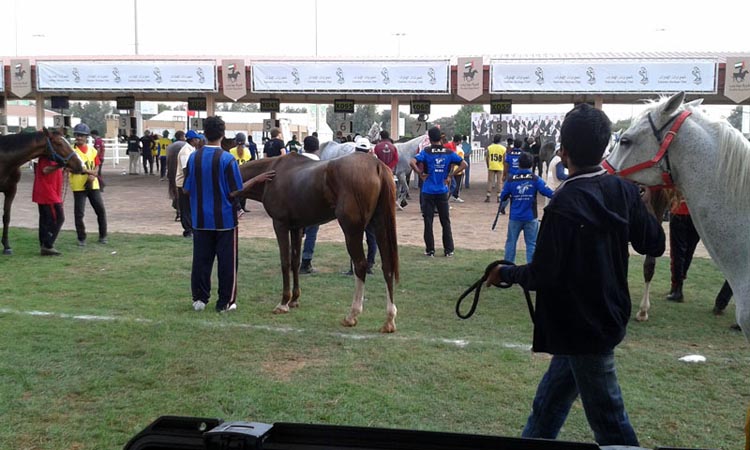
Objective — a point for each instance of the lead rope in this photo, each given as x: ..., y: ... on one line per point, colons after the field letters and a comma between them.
x: 477, y: 289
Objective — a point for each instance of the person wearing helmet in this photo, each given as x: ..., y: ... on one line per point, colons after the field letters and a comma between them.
x: 86, y: 186
x: 242, y: 155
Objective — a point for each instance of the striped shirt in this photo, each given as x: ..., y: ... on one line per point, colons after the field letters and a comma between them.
x: 212, y: 175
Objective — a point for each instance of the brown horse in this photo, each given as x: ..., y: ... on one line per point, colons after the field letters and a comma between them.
x: 17, y: 149
x: 356, y: 189
x: 657, y: 201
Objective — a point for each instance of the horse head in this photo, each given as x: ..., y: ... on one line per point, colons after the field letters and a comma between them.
x: 59, y: 150
x: 641, y: 153
x: 374, y: 133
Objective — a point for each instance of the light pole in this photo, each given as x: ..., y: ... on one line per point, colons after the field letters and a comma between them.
x: 398, y: 43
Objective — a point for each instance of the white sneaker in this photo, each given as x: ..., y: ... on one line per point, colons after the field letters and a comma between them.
x: 199, y: 305
x: 232, y: 307
x: 458, y: 199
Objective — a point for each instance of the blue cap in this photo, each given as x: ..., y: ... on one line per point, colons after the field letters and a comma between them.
x: 202, y: 137
x: 191, y: 134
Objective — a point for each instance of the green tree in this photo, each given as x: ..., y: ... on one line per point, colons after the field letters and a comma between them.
x: 447, y: 125
x: 462, y: 118
x: 622, y: 124
x: 735, y: 118
x: 92, y: 114
x: 363, y: 118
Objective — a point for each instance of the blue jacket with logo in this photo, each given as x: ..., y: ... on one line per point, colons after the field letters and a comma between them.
x: 511, y: 157
x: 521, y: 188
x: 437, y: 161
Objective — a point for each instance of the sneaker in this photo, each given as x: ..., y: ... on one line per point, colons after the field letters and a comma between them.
x: 187, y: 234
x: 449, y: 254
x: 199, y: 305
x: 430, y: 254
x: 103, y: 241
x: 49, y: 251
x: 487, y: 199
x: 458, y: 200
x: 230, y: 308
x: 81, y: 242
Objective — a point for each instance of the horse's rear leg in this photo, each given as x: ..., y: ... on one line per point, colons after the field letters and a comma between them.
x: 649, y: 264
x: 296, y: 254
x: 387, y: 262
x: 282, y: 238
x: 359, y: 262
x: 9, y: 196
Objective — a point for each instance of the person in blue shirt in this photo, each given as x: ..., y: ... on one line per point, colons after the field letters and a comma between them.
x: 466, y: 147
x: 521, y: 189
x: 253, y: 147
x: 212, y: 174
x: 435, y: 171
x: 511, y: 166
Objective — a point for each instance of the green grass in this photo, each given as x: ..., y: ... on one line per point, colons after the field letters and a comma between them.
x: 69, y: 383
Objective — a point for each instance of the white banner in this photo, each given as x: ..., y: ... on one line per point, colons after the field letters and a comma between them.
x: 696, y: 76
x: 348, y: 76
x: 189, y: 76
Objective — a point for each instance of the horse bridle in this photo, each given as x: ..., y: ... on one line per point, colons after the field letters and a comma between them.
x: 56, y: 157
x: 664, y: 143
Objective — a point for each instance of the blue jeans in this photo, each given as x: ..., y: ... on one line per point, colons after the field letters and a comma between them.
x: 311, y: 234
x: 467, y: 172
x: 530, y: 229
x: 593, y: 377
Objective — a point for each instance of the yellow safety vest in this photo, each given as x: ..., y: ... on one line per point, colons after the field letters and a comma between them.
x: 495, y: 156
x: 88, y: 160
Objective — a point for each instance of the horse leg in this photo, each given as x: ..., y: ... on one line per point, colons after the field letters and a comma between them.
x: 649, y: 264
x: 282, y: 238
x: 359, y: 262
x: 388, y: 257
x: 296, y: 235
x: 9, y: 196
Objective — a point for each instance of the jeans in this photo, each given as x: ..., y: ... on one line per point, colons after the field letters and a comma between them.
x: 79, y: 207
x: 467, y: 172
x: 311, y: 234
x: 593, y: 377
x: 530, y: 229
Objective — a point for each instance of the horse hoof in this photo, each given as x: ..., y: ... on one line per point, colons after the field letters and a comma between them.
x: 281, y: 309
x: 294, y: 304
x: 641, y: 316
x: 349, y: 322
x: 388, y: 328
x: 7, y: 251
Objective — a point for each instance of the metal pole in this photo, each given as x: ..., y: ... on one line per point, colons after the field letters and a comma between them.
x: 135, y: 22
x: 317, y: 107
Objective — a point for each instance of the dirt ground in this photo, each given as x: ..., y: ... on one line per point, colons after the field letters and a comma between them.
x: 139, y: 204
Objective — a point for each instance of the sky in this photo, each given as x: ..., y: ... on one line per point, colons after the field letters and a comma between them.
x: 336, y: 29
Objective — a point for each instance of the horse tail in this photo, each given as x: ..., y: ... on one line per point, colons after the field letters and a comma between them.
x: 387, y: 207
x: 171, y: 173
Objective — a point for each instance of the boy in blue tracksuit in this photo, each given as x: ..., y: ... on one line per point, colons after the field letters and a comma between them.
x: 521, y: 188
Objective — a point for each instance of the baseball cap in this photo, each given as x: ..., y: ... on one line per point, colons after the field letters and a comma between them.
x: 363, y: 144
x: 240, y: 138
x: 191, y: 134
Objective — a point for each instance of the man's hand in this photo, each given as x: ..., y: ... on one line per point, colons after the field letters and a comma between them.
x: 248, y: 185
x: 494, y: 278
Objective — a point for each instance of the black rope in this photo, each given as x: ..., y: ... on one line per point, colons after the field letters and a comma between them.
x: 477, y: 288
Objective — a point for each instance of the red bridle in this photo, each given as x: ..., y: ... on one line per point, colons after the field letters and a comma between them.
x: 665, y: 142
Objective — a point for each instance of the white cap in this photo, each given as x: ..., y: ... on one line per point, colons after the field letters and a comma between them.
x: 363, y: 144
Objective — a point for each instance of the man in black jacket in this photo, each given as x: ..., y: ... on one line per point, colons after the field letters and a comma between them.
x: 579, y: 273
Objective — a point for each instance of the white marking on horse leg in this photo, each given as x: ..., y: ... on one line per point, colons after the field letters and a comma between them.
x: 281, y: 309
x: 356, y: 310
x: 642, y: 315
x: 390, y: 314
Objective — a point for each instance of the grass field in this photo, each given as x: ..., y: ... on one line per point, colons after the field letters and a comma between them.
x: 99, y: 342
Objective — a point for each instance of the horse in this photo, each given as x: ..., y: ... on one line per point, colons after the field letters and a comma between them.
x: 546, y: 152
x: 673, y: 142
x: 406, y: 151
x: 657, y: 201
x: 355, y: 189
x: 373, y: 134
x: 17, y: 149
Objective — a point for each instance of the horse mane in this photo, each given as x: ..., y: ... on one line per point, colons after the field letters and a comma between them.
x: 734, y: 162
x: 17, y: 141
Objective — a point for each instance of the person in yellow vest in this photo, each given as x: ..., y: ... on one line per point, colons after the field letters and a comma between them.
x: 494, y: 158
x: 242, y: 154
x: 86, y: 186
x: 161, y: 151
x: 458, y: 174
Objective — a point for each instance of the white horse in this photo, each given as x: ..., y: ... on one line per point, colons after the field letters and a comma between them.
x: 709, y: 162
x: 406, y: 151
x: 333, y: 149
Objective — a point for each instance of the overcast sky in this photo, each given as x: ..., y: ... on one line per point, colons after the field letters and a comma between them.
x: 378, y: 29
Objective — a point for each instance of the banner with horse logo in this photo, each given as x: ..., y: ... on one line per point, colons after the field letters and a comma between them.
x: 470, y: 76
x: 736, y: 79
x: 352, y: 76
x: 693, y: 76
x: 233, y: 78
x: 20, y: 77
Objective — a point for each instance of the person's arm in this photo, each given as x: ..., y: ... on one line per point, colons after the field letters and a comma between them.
x: 646, y: 232
x: 560, y: 172
x: 543, y: 189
